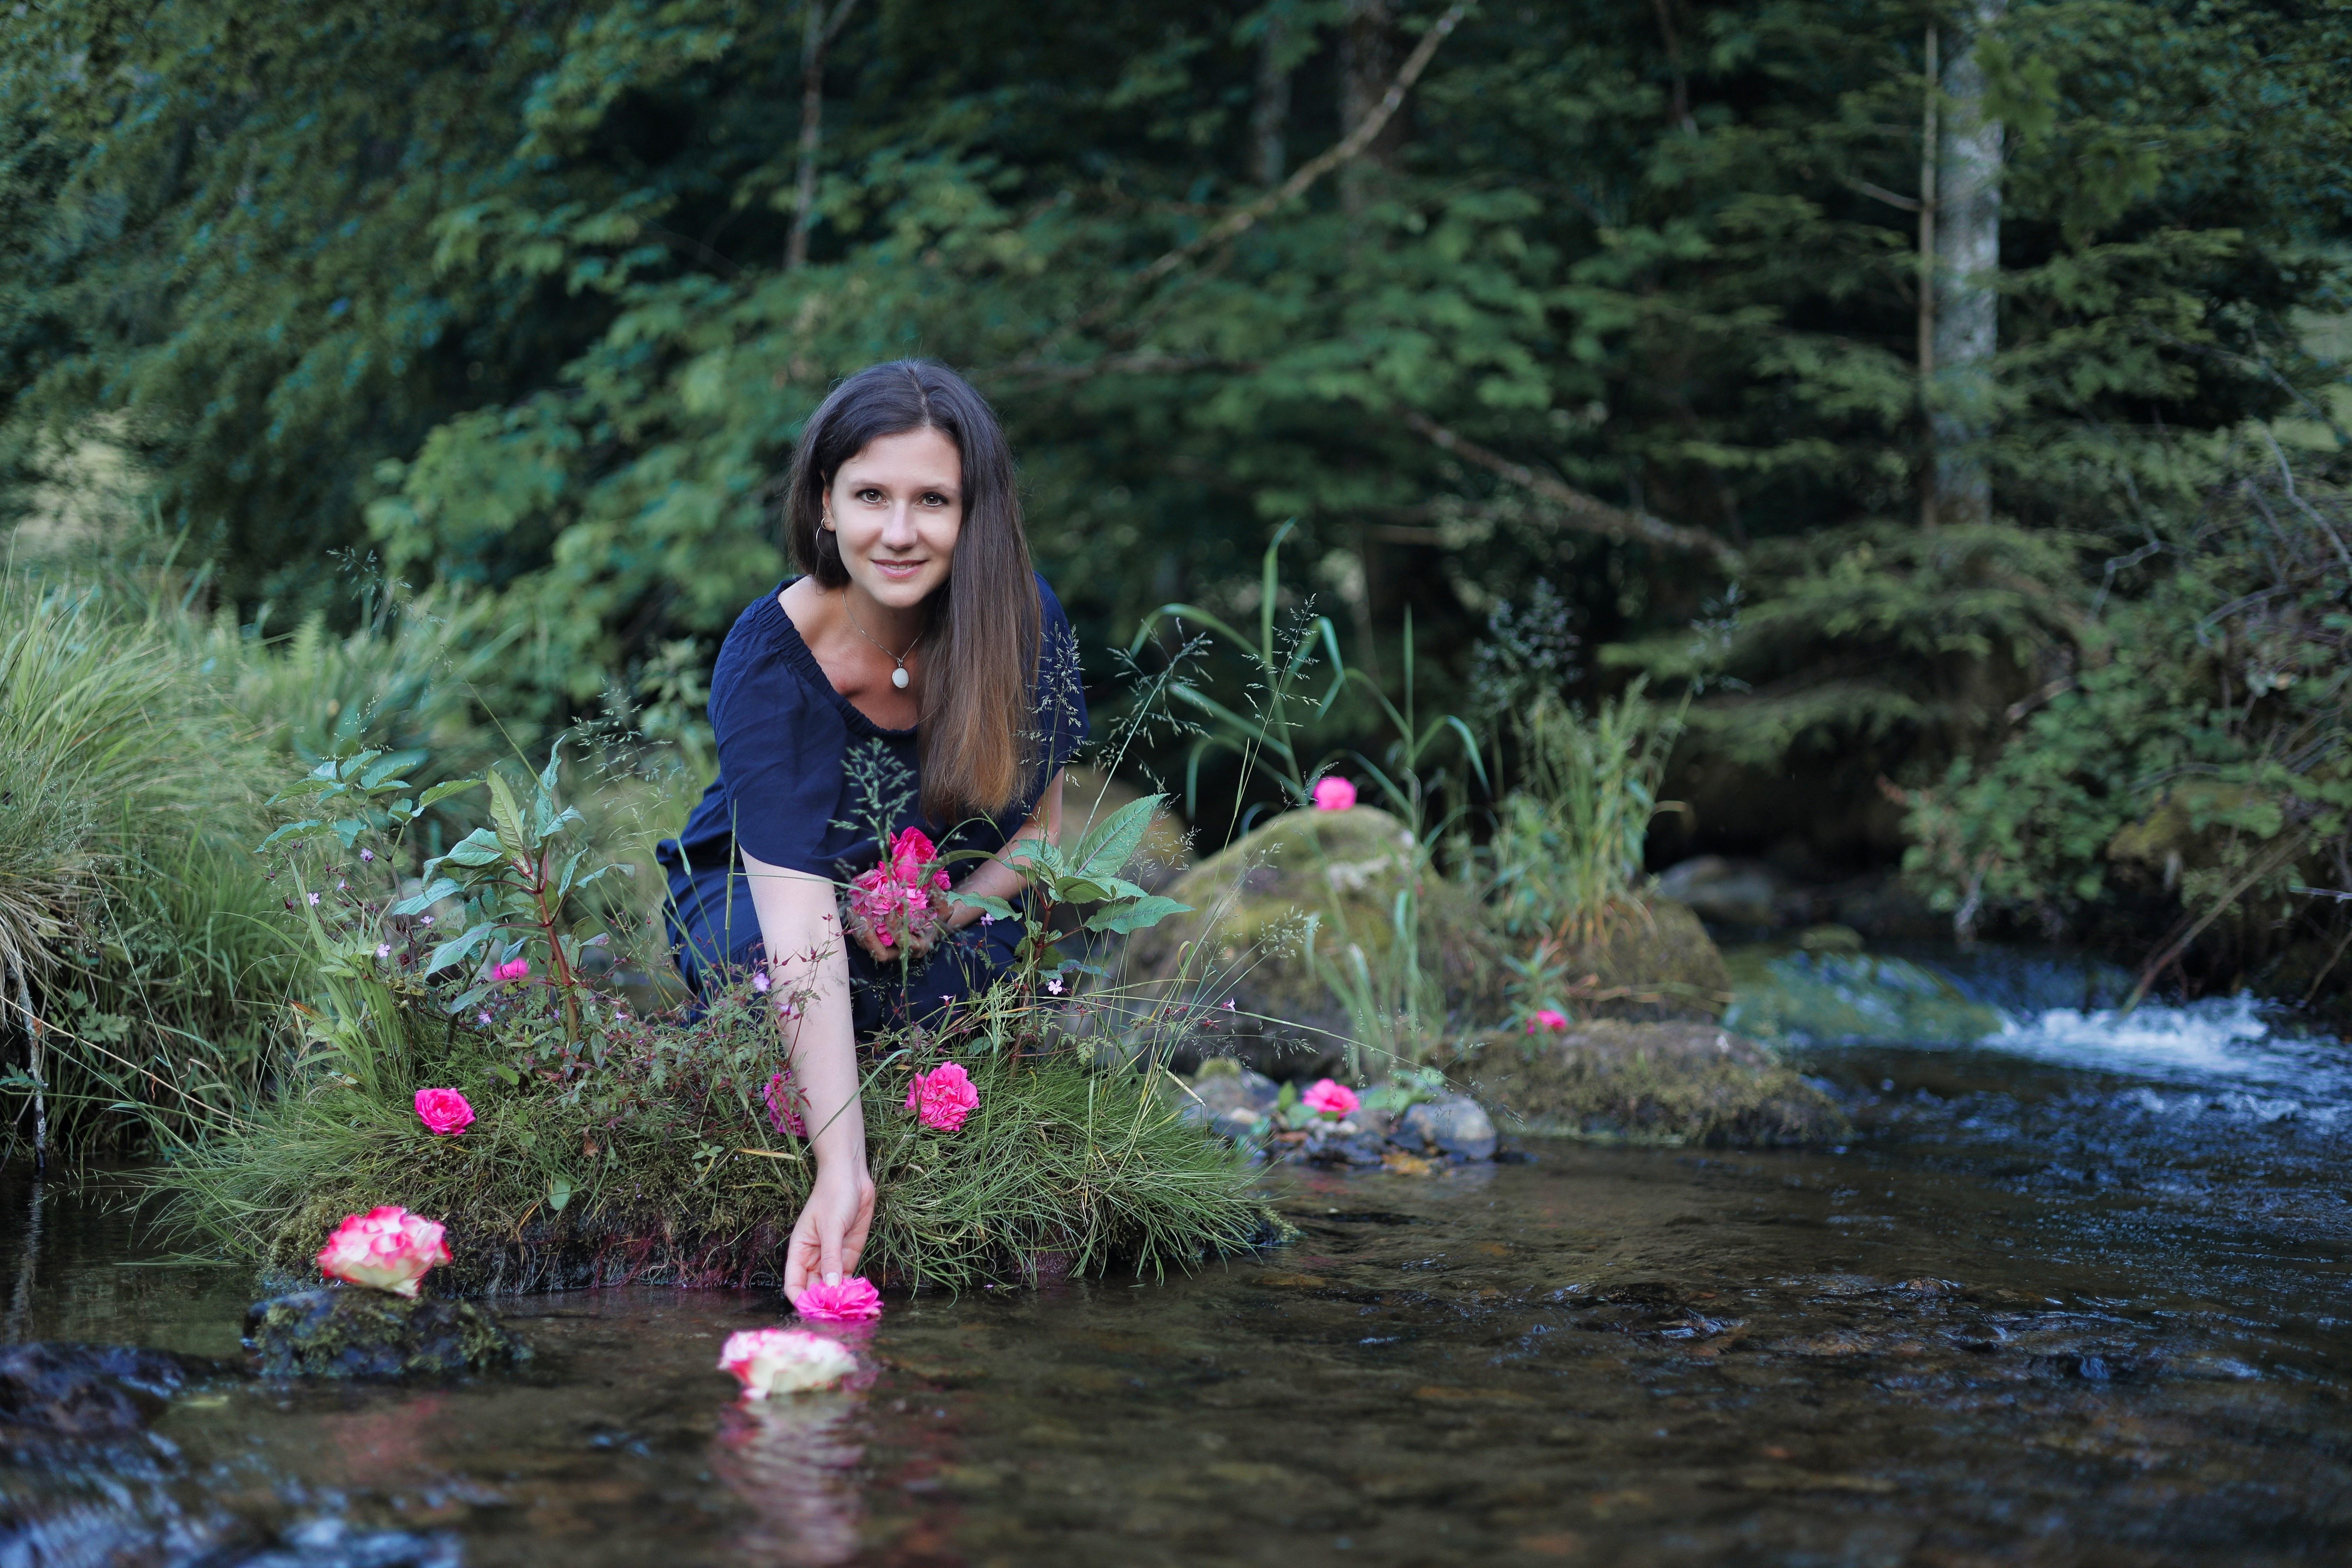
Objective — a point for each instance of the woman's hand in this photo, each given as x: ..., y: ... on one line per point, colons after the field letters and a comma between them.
x: 920, y: 936
x: 830, y: 1235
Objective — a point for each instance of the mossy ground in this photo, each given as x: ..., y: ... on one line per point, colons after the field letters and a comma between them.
x: 661, y: 1162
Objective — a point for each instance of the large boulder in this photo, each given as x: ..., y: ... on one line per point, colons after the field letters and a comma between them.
x: 1664, y: 1083
x: 1280, y: 908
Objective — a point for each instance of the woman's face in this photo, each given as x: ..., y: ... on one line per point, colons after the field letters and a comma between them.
x: 896, y: 509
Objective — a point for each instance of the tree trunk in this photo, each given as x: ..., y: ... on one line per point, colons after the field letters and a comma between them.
x: 817, y: 36
x: 1966, y: 272
x: 1365, y: 67
x: 1270, y: 116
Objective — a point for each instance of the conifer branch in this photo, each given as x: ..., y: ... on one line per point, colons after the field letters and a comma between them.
x: 1587, y: 512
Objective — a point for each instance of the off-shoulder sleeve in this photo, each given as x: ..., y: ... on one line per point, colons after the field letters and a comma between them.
x: 779, y: 750
x: 1061, y: 707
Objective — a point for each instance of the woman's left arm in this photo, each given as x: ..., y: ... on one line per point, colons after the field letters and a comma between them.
x: 995, y: 879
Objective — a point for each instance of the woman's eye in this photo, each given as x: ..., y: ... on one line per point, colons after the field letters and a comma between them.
x: 869, y: 495
x: 935, y: 499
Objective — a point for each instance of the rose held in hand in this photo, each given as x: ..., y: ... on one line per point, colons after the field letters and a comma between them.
x: 387, y: 1248
x: 893, y: 910
x: 444, y: 1110
x: 784, y: 1361
x: 853, y: 1300
x: 943, y: 1097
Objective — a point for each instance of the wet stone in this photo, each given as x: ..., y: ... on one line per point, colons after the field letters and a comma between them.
x: 1453, y: 1125
x: 362, y: 1333
x: 87, y: 1391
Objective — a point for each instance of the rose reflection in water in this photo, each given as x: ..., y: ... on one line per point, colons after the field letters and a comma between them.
x: 794, y: 1460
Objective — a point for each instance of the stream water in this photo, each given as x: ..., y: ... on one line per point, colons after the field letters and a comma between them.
x: 2076, y: 1293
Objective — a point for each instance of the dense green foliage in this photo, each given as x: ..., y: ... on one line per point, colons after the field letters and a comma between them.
x: 500, y: 293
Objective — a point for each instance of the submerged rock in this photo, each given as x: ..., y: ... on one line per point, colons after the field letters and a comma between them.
x: 362, y: 1333
x: 86, y: 1390
x: 1680, y: 1083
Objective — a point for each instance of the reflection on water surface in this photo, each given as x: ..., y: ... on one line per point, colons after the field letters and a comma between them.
x: 2055, y: 1304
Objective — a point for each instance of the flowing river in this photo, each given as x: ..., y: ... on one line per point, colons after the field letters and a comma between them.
x: 2075, y: 1292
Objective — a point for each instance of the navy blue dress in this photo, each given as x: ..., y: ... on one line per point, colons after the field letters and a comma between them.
x: 806, y: 782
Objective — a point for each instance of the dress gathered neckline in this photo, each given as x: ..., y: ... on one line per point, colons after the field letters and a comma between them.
x: 802, y: 659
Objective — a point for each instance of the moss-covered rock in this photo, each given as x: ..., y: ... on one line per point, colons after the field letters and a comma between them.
x: 362, y: 1333
x: 1652, y: 962
x: 1338, y: 871
x: 1665, y: 1083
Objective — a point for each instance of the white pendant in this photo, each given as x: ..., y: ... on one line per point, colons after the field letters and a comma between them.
x: 899, y: 678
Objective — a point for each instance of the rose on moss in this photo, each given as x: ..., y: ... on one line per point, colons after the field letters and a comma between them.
x: 387, y: 1248
x: 1334, y: 795
x: 444, y: 1110
x: 941, y: 1098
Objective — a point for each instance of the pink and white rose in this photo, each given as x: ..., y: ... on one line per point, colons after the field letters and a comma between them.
x: 387, y: 1248
x: 784, y: 1361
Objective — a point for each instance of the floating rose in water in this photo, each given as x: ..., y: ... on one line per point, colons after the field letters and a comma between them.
x: 387, y: 1248
x: 943, y: 1097
x: 1334, y: 795
x: 1329, y: 1096
x: 444, y: 1110
x: 784, y: 1361
x: 853, y: 1300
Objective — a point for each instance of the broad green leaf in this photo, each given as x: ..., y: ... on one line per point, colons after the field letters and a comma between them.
x: 1136, y: 914
x: 1105, y: 851
x: 443, y: 790
x: 458, y: 949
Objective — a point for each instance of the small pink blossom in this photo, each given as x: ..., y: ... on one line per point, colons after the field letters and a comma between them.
x: 1329, y: 1096
x: 514, y: 969
x: 784, y: 1104
x: 367, y: 857
x: 1054, y: 985
x: 761, y: 982
x: 387, y: 1248
x: 444, y: 1110
x: 314, y: 898
x: 784, y: 1361
x: 1548, y: 1018
x: 1334, y: 794
x: 1227, y: 1005
x: 383, y: 950
x: 483, y: 1017
x: 943, y: 1097
x: 853, y: 1300
x: 425, y: 919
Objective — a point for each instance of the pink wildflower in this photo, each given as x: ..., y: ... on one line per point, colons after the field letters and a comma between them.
x: 387, y: 1248
x: 853, y: 1300
x: 314, y: 898
x: 515, y: 969
x: 1546, y: 1018
x: 1328, y: 1097
x: 1334, y: 795
x: 1054, y: 985
x: 483, y: 1017
x: 444, y: 1110
x: 383, y: 950
x: 761, y: 982
x: 942, y: 1096
x: 367, y: 857
x: 784, y: 1361
x: 784, y: 1104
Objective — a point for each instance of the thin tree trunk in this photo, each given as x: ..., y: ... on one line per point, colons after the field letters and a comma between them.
x: 1364, y: 70
x: 816, y: 37
x: 1270, y: 116
x: 1967, y: 270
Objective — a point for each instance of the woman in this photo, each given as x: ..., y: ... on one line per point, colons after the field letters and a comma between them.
x: 918, y: 673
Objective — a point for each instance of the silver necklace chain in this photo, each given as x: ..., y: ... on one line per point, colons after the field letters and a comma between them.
x: 898, y: 661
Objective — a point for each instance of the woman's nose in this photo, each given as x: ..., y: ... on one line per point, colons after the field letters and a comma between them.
x: 899, y: 530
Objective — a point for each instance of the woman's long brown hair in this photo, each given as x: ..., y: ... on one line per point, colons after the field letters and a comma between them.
x: 975, y: 740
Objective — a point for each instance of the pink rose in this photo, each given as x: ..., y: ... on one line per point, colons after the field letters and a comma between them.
x: 943, y: 1097
x: 387, y: 1248
x: 517, y: 970
x: 784, y: 1104
x: 1334, y: 795
x: 1327, y: 1097
x: 444, y: 1110
x: 939, y: 881
x: 784, y: 1361
x: 853, y: 1300
x: 1547, y: 1019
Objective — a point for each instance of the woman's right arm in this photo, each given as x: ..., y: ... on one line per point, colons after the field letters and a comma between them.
x: 809, y: 969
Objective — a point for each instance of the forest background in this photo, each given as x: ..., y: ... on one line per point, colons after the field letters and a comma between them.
x: 1950, y: 400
